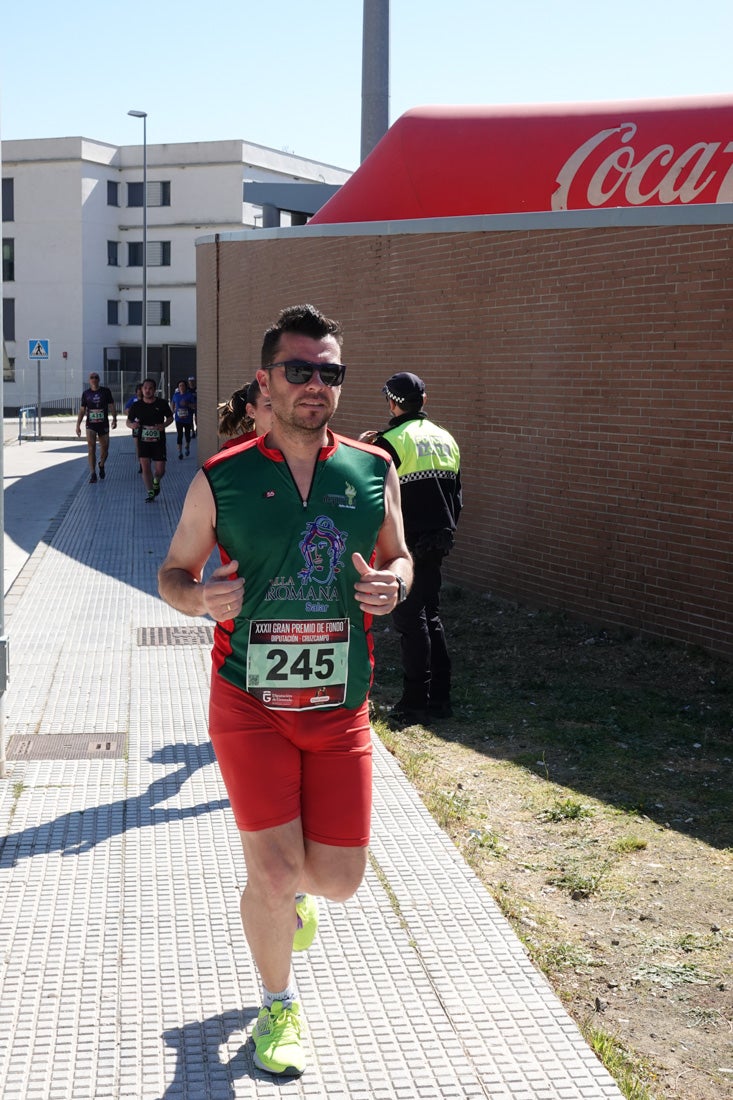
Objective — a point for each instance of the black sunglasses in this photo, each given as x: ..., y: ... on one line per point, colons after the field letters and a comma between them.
x: 299, y: 371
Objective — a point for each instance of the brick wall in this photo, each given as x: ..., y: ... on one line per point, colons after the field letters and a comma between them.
x: 585, y: 372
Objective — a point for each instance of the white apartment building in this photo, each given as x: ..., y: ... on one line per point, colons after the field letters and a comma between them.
x: 72, y: 212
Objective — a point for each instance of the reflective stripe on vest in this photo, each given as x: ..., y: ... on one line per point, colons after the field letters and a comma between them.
x: 425, y: 450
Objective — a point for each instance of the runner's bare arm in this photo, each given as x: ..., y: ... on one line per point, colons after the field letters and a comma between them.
x: 179, y: 577
x: 377, y: 590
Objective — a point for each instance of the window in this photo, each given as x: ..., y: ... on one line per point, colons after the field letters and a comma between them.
x: 134, y: 194
x: 8, y: 260
x: 113, y: 193
x: 159, y: 313
x: 113, y: 312
x: 8, y: 369
x: 159, y: 193
x: 113, y: 250
x: 159, y: 253
x: 9, y: 318
x: 8, y: 200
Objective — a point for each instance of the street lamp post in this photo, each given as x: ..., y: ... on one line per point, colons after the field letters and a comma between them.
x: 144, y: 353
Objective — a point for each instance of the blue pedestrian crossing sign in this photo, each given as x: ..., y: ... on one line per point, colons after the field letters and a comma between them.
x: 38, y: 349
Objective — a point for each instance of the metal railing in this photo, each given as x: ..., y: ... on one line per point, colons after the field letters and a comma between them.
x: 57, y: 405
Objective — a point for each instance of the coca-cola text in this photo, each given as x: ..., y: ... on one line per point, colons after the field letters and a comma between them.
x: 659, y: 176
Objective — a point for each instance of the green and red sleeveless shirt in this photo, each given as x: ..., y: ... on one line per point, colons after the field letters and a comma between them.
x: 300, y: 642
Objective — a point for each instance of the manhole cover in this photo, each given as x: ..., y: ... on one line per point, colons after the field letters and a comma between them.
x: 66, y: 746
x: 175, y: 635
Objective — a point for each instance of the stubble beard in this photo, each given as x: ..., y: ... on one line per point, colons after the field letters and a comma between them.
x: 298, y: 426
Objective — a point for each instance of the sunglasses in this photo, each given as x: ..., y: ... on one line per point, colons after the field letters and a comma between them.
x: 300, y: 371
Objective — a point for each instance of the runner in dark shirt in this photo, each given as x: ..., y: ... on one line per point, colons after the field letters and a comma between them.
x: 151, y: 416
x: 97, y: 404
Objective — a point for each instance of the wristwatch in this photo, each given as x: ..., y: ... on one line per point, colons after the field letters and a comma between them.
x: 401, y: 589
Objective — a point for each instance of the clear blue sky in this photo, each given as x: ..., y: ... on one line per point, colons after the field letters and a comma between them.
x: 287, y: 73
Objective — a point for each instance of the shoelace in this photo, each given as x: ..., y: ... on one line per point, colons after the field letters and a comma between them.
x: 285, y: 1022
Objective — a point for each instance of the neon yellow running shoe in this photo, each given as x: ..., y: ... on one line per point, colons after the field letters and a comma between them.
x: 306, y: 909
x: 277, y: 1039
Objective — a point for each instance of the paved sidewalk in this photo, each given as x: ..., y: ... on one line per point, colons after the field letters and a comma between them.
x: 123, y: 970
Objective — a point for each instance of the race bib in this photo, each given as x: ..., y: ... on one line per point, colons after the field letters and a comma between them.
x: 95, y: 415
x: 150, y: 435
x: 298, y: 665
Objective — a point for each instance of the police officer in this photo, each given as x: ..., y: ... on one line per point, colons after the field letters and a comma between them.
x: 428, y: 464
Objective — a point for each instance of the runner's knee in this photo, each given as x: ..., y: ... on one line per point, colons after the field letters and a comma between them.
x: 274, y: 878
x: 337, y: 879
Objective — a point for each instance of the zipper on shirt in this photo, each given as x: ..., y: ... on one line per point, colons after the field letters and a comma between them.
x: 303, y: 500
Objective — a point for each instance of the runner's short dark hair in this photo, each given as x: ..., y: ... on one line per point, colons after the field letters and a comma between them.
x: 305, y: 320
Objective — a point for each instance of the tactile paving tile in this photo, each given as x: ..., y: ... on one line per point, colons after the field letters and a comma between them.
x: 124, y: 973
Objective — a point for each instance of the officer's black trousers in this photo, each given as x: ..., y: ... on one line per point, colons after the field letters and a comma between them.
x: 425, y: 661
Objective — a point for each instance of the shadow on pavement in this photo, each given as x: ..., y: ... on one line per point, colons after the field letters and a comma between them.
x: 79, y: 831
x: 33, y: 500
x: 200, y: 1070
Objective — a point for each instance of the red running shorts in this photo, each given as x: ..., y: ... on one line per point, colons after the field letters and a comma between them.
x: 280, y: 765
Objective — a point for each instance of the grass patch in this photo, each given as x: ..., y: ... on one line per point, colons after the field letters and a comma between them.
x: 564, y: 956
x: 671, y: 974
x: 578, y: 884
x: 485, y: 840
x: 566, y: 809
x: 692, y: 941
x: 412, y: 756
x: 706, y: 1017
x: 570, y: 749
x: 629, y: 844
x: 620, y: 1063
x: 17, y: 788
x: 449, y: 808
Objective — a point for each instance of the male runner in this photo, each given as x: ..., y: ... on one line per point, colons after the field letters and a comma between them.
x: 97, y: 403
x: 310, y: 534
